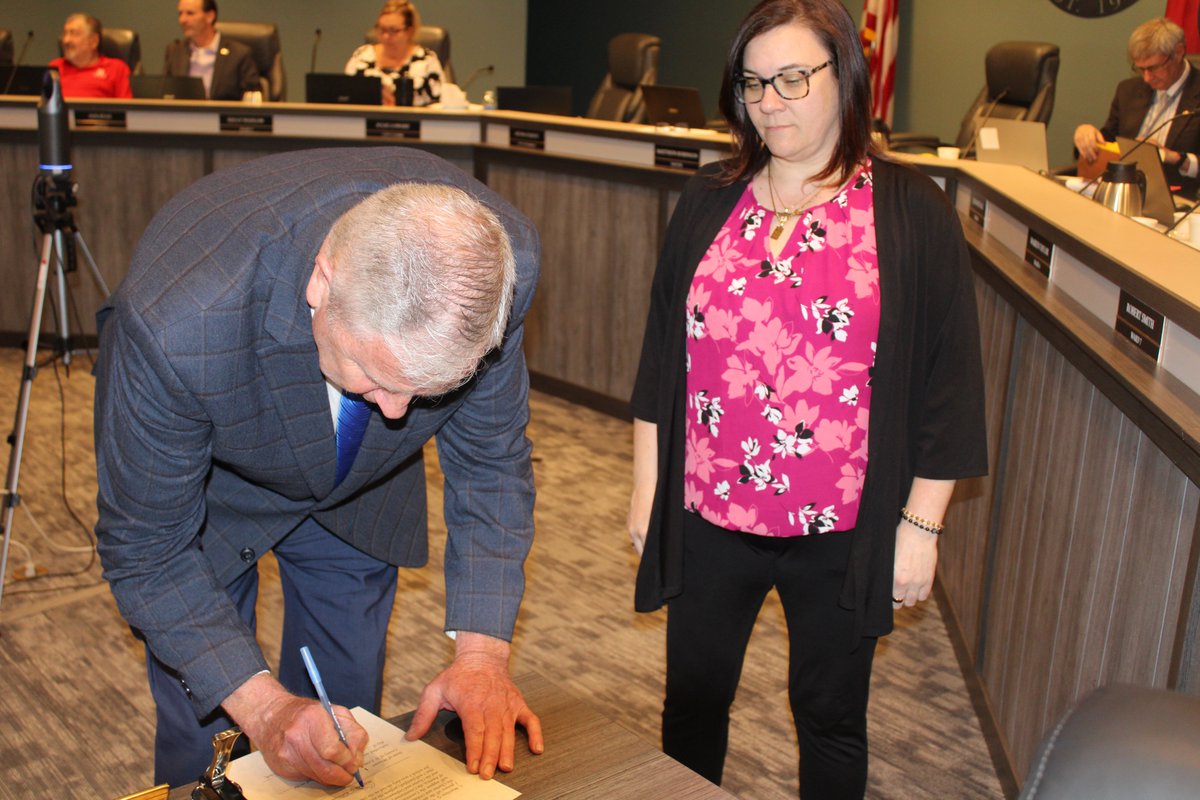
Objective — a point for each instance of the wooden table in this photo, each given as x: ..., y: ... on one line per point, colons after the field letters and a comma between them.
x: 587, y: 755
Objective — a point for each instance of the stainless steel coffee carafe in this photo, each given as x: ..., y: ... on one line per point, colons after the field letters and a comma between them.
x: 1122, y: 188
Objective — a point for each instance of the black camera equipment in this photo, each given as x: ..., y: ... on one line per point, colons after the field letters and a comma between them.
x: 53, y: 199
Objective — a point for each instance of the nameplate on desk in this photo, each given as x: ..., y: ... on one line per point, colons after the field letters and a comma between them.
x: 99, y: 119
x: 669, y: 155
x: 978, y: 210
x: 393, y: 128
x: 1140, y: 324
x: 241, y: 121
x: 529, y: 139
x: 1039, y: 252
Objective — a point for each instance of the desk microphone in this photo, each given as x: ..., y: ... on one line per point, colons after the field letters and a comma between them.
x: 20, y: 58
x: 312, y: 67
x: 986, y: 116
x: 1146, y: 139
x: 488, y: 70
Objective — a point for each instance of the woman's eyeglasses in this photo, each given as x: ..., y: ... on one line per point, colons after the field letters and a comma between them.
x: 791, y: 84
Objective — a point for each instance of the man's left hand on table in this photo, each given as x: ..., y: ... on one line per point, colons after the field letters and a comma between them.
x: 478, y: 688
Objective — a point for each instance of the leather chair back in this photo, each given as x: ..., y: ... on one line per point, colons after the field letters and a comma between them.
x: 263, y: 40
x: 122, y: 43
x: 1020, y: 85
x: 1120, y: 741
x: 632, y: 61
x: 6, y: 47
x: 431, y: 37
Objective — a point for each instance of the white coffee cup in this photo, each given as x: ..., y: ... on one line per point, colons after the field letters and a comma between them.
x: 252, y: 98
x: 1193, y: 230
x: 948, y: 152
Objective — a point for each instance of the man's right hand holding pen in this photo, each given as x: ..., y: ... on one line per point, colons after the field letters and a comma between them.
x: 294, y: 734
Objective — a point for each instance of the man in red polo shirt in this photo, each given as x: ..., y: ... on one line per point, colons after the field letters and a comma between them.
x: 84, y: 71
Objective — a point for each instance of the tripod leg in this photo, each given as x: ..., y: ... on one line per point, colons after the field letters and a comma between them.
x: 87, y: 256
x: 11, y: 497
x: 64, y: 324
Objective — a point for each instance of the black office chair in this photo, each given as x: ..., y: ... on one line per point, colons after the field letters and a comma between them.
x: 1020, y: 79
x: 632, y: 61
x: 431, y: 37
x: 122, y: 43
x: 6, y: 47
x: 1120, y: 742
x: 263, y: 40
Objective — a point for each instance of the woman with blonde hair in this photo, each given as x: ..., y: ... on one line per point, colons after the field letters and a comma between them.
x: 396, y: 55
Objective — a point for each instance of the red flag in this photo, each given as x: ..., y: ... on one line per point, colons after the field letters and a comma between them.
x: 880, y: 33
x: 1185, y: 14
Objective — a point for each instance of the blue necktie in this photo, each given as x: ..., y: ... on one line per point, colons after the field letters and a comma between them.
x: 353, y: 414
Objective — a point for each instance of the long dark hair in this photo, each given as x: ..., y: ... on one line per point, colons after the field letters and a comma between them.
x: 831, y: 23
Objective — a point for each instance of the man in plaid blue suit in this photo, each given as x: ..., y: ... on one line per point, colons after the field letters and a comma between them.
x: 256, y: 300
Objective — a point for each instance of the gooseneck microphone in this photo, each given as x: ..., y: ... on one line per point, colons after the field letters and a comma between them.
x: 312, y: 67
x: 983, y: 121
x: 488, y: 70
x: 12, y: 73
x: 1141, y: 140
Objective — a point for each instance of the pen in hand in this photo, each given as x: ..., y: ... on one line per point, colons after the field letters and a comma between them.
x: 315, y: 677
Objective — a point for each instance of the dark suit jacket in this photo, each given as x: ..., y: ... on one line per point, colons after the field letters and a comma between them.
x: 1129, y: 108
x: 214, y: 436
x: 234, y: 71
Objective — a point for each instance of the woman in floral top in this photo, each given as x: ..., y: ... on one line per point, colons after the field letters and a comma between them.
x: 809, y: 391
x: 396, y: 56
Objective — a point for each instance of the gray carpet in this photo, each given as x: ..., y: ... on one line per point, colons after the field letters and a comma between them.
x: 77, y: 717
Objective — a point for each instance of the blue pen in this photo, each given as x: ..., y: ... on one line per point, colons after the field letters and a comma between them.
x: 315, y: 676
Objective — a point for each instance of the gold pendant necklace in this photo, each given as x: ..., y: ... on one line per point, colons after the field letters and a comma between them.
x: 783, y: 215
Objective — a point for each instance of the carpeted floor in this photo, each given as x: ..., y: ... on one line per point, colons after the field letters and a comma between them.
x: 77, y: 720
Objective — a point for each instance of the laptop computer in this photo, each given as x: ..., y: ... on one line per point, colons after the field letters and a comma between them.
x: 21, y: 80
x: 673, y: 105
x: 334, y: 87
x: 535, y: 99
x: 1158, y: 202
x: 166, y: 87
x: 1013, y: 141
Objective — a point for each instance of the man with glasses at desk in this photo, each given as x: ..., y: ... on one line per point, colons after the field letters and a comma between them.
x: 1158, y: 104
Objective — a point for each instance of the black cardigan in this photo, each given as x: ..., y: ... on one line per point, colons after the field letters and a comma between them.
x: 927, y: 409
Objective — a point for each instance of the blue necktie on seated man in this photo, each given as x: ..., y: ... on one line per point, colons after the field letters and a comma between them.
x: 353, y: 414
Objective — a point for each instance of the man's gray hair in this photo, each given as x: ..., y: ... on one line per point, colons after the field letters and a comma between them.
x: 428, y: 269
x: 1158, y: 37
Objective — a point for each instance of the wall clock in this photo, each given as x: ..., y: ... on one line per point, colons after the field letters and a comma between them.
x: 1093, y: 8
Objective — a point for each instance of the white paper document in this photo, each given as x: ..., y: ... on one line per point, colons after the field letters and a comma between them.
x: 393, y: 769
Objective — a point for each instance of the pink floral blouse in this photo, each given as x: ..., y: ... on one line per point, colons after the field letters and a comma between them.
x: 779, y: 358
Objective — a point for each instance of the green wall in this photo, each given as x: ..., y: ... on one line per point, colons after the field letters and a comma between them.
x: 482, y: 31
x: 939, y: 69
x: 943, y: 44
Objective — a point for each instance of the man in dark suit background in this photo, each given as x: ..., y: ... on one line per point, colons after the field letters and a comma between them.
x: 226, y: 67
x: 263, y: 305
x: 1165, y: 85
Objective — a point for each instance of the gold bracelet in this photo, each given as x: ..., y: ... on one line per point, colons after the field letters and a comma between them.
x: 929, y: 526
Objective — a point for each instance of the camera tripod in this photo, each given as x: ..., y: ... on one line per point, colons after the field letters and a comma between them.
x: 53, y: 198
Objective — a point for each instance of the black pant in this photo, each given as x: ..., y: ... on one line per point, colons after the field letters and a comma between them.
x: 726, y: 578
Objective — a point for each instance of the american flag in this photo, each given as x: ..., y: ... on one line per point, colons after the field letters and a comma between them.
x: 880, y: 32
x: 1185, y: 14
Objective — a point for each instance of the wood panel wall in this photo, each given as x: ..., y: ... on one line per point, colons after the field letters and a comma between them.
x: 119, y: 188
x: 1093, y: 530
x: 962, y: 552
x: 600, y: 241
